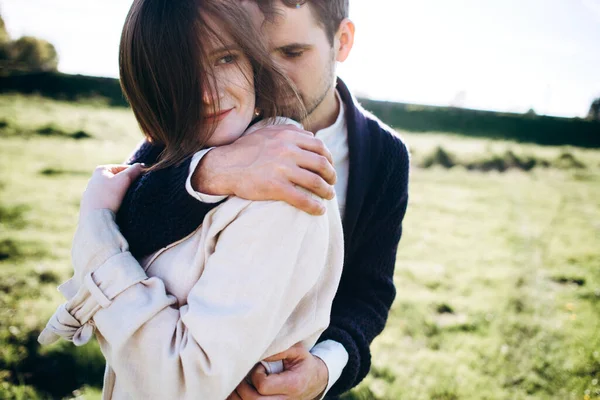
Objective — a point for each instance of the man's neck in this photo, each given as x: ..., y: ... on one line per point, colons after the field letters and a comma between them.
x: 325, y: 114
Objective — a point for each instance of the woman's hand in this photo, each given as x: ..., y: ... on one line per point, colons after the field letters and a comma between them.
x: 107, y: 187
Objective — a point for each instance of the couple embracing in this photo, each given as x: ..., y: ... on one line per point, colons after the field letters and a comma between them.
x: 248, y: 251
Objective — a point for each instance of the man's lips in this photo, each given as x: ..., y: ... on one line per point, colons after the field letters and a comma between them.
x: 218, y: 116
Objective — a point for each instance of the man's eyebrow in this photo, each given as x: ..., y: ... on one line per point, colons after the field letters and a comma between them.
x: 294, y: 46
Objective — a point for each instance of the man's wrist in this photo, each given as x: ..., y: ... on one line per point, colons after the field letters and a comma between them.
x: 334, y: 356
x: 205, y: 178
x: 323, y: 376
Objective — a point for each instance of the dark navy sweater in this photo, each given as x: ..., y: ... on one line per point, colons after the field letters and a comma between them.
x: 157, y: 211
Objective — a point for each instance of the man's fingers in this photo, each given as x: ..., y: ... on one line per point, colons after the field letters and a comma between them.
x: 246, y: 392
x: 301, y: 200
x: 234, y: 396
x: 317, y: 164
x: 297, y: 381
x: 295, y: 129
x: 259, y: 370
x: 275, y: 384
x: 264, y: 388
x: 313, y: 183
x: 316, y: 146
x: 293, y: 352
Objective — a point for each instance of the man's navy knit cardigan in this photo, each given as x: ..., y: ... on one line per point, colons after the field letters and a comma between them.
x: 157, y: 211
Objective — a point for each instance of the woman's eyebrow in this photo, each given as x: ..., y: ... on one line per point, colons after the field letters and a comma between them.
x: 225, y: 49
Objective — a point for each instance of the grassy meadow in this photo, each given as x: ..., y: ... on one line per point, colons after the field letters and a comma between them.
x: 498, y: 271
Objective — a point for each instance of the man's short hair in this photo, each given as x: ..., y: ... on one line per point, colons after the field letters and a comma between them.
x: 329, y: 13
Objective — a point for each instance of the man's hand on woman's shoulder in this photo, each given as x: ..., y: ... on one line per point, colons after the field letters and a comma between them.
x: 268, y: 165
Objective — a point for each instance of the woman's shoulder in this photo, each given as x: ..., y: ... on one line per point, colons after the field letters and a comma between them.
x: 268, y: 214
x: 234, y: 207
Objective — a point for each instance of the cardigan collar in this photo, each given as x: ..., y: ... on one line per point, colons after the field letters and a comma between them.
x: 359, y: 149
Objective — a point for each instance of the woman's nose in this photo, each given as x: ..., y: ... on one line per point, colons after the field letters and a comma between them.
x: 210, y: 95
x: 207, y: 98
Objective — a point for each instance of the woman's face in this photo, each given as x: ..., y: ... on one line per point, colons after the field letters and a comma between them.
x: 234, y: 81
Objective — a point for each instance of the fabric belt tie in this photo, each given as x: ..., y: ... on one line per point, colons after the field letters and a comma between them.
x: 63, y: 324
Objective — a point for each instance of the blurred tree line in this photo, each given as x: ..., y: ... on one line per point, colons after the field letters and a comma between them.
x: 29, y: 55
x: 26, y: 54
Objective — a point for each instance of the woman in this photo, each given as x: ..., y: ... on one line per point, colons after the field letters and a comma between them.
x: 254, y: 279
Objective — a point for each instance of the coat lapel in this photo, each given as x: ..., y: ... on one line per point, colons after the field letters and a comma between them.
x: 359, y: 148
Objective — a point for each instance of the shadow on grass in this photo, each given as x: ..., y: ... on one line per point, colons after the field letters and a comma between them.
x: 443, y: 394
x: 27, y: 370
x: 52, y: 130
x: 56, y: 372
x: 499, y: 162
x: 8, y: 129
x: 11, y: 250
x: 566, y: 280
x: 52, y: 172
x: 361, y: 393
x: 13, y: 216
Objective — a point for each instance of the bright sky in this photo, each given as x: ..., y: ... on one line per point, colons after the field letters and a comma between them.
x: 506, y: 55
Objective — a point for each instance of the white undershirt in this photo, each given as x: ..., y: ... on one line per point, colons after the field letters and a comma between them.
x: 335, y: 138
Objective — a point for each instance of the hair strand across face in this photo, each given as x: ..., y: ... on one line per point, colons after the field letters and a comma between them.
x: 165, y: 68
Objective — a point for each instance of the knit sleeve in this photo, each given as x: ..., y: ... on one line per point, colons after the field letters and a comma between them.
x: 157, y: 209
x: 366, y: 291
x: 145, y: 153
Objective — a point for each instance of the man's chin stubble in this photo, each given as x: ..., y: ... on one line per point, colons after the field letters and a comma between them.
x: 314, y: 105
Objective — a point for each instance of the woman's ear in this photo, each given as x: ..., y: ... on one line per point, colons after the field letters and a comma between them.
x: 344, y: 40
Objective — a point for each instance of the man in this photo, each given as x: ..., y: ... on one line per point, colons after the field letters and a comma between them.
x: 306, y: 39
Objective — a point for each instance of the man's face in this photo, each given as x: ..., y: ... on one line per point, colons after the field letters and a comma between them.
x: 299, y: 45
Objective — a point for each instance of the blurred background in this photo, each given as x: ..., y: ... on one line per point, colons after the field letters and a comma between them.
x: 498, y: 271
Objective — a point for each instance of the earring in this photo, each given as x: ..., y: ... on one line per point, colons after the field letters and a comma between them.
x: 256, y: 111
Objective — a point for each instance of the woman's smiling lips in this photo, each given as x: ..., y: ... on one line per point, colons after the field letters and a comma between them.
x: 219, y: 115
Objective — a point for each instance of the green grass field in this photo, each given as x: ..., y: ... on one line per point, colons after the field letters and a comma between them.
x: 498, y: 271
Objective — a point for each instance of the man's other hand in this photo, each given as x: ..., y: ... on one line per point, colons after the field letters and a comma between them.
x: 305, y: 377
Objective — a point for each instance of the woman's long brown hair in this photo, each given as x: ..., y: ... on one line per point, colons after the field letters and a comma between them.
x: 164, y: 67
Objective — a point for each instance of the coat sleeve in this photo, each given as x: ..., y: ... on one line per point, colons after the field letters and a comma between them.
x: 255, y: 276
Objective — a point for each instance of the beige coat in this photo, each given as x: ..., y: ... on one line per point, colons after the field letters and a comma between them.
x: 191, y: 321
